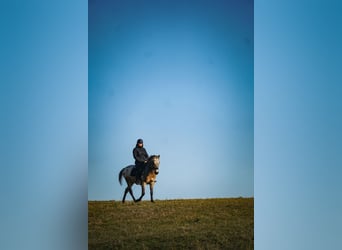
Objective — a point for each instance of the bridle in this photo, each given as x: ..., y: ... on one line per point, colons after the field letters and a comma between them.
x: 153, y: 166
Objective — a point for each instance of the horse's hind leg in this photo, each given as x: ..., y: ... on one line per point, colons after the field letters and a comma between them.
x: 131, y: 192
x: 124, y: 197
x: 128, y: 189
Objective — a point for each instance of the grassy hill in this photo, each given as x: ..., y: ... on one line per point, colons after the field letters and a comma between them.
x: 172, y: 224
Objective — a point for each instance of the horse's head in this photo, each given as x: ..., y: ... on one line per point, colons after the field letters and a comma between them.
x: 154, y: 163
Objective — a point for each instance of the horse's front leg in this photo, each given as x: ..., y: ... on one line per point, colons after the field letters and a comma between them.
x: 142, y: 191
x: 151, y: 190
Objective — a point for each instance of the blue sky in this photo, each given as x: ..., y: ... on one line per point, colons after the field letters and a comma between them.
x: 180, y: 76
x: 44, y: 136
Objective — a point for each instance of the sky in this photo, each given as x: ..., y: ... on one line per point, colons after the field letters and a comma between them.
x: 178, y: 74
x: 44, y: 123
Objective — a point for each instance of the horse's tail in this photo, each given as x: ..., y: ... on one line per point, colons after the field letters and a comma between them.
x: 120, y: 176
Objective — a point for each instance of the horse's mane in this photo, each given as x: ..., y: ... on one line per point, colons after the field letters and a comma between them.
x: 150, y: 161
x: 151, y: 157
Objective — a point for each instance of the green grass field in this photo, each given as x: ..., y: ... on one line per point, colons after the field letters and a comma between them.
x: 226, y: 223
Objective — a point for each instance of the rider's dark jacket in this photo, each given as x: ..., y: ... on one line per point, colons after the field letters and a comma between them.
x: 140, y: 155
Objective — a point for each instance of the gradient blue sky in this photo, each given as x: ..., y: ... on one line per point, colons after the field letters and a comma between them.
x: 298, y: 136
x: 178, y: 74
x: 298, y: 121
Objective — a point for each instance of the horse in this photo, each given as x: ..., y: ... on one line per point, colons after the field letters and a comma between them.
x: 149, y: 174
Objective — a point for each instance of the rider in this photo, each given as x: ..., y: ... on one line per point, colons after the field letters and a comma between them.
x: 140, y: 155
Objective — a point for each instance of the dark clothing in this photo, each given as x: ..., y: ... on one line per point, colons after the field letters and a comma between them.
x: 140, y: 155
